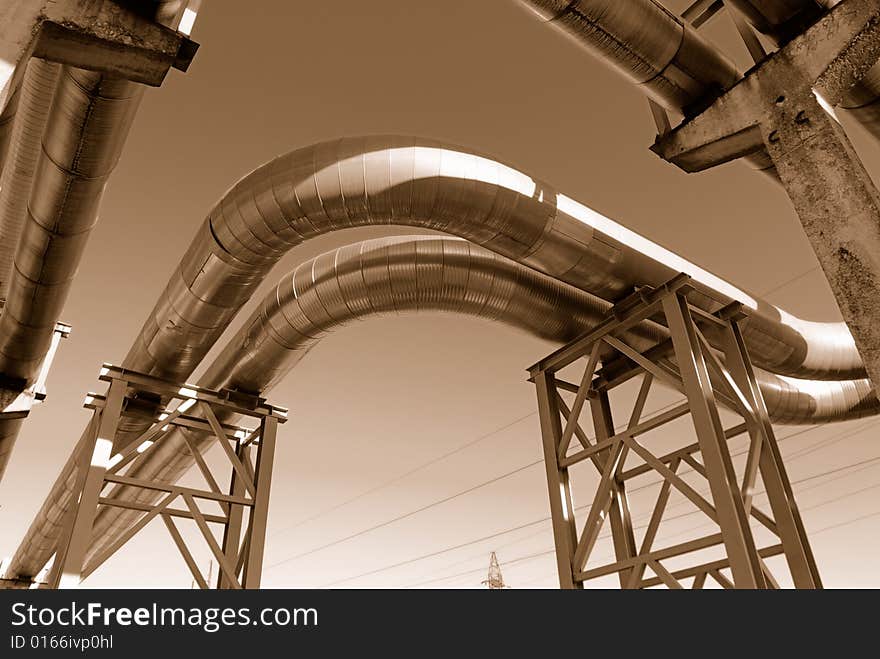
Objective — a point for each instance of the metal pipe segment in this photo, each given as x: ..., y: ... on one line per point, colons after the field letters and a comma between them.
x: 87, y: 126
x: 36, y: 92
x: 666, y: 57
x: 662, y: 54
x: 49, y: 205
x: 7, y: 123
x: 415, y: 182
x: 393, y: 275
x: 32, y: 101
x: 407, y: 274
x: 410, y: 181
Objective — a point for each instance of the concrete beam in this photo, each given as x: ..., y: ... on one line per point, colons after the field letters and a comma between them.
x: 830, y: 57
x: 775, y: 106
x: 99, y: 35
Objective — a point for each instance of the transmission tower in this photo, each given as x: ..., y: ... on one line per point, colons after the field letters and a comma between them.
x: 494, y: 581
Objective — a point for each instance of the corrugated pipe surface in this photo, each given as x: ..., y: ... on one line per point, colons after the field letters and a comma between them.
x: 410, y: 181
x: 398, y: 275
x: 394, y: 275
x: 87, y: 126
x: 36, y: 92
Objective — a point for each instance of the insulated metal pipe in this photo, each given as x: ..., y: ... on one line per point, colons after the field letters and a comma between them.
x: 30, y: 104
x: 89, y: 121
x: 407, y: 274
x: 394, y: 275
x: 87, y: 126
x: 85, y: 129
x: 36, y: 92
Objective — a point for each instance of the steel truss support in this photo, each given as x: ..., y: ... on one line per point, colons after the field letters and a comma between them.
x: 194, y: 417
x: 705, y: 374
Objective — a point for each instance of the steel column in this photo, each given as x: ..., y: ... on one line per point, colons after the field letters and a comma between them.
x: 559, y: 488
x: 744, y: 560
x: 253, y: 566
x: 798, y: 552
x: 621, y: 524
x: 235, y: 516
x: 93, y: 466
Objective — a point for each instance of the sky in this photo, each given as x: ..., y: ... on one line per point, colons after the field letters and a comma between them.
x: 413, y: 448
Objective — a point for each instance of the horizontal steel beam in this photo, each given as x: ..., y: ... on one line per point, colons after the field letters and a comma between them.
x: 235, y: 401
x: 174, y: 512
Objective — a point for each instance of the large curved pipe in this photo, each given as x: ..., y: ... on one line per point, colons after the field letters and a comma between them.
x: 409, y: 181
x: 397, y: 275
x: 415, y: 182
x: 7, y: 122
x: 87, y: 126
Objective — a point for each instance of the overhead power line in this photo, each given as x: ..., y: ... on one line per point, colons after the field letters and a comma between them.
x: 532, y: 556
x: 794, y: 455
x: 478, y: 486
x: 405, y: 475
x: 862, y: 463
x: 430, y: 505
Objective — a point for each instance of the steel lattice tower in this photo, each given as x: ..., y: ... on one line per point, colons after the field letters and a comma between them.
x: 494, y: 580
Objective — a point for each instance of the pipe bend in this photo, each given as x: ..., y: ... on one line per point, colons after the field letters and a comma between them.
x: 410, y: 181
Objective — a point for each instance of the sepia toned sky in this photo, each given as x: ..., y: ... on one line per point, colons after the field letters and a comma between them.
x: 361, y: 484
